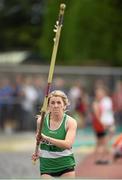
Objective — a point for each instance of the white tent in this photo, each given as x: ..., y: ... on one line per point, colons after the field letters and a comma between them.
x: 13, y: 57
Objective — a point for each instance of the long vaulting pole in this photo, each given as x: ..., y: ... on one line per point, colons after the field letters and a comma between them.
x: 57, y: 30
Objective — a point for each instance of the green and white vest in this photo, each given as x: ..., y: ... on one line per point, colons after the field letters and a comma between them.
x: 53, y: 158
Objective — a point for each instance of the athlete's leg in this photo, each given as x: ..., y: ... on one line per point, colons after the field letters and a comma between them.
x: 45, y: 176
x: 69, y: 174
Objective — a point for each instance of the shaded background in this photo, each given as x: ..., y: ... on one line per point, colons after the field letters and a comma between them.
x: 89, y: 54
x: 91, y: 33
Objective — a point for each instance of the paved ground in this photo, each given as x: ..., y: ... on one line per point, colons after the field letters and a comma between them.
x: 15, y: 156
x: 16, y: 150
x: 88, y: 169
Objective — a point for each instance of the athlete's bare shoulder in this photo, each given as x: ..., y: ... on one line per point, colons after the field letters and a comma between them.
x: 38, y: 119
x: 71, y: 120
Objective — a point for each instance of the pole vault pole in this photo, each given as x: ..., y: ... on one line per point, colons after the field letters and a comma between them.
x: 43, y: 111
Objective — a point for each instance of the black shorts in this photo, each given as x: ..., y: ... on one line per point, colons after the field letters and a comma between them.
x: 57, y: 174
x: 101, y: 134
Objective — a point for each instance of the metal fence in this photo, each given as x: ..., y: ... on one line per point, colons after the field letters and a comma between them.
x: 70, y: 73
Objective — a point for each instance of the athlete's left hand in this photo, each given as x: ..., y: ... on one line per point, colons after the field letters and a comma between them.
x: 44, y: 137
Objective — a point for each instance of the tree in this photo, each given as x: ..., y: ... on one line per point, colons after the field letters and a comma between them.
x: 21, y: 23
x: 91, y: 33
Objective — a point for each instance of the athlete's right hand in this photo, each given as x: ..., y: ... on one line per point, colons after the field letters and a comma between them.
x: 35, y: 157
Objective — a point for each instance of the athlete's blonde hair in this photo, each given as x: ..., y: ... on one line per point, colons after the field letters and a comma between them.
x: 57, y: 93
x: 61, y: 94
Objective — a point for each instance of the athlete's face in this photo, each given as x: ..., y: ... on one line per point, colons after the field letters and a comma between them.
x: 56, y: 105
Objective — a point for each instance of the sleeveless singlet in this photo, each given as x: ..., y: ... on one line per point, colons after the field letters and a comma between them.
x: 53, y: 158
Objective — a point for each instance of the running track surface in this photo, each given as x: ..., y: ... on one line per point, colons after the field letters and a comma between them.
x: 88, y: 169
x: 17, y: 148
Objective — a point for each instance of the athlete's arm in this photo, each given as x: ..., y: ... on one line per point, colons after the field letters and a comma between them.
x: 38, y: 135
x: 36, y: 154
x: 38, y: 122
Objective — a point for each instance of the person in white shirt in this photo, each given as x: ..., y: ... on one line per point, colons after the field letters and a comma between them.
x: 103, y: 110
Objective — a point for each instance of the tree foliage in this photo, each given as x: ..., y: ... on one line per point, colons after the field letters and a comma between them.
x: 21, y: 24
x: 91, y: 34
